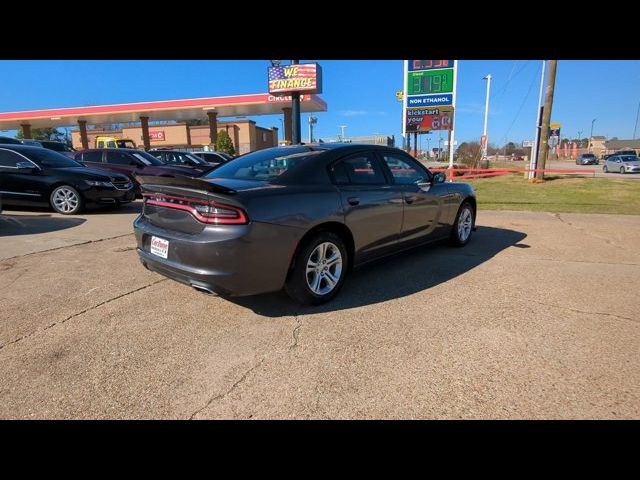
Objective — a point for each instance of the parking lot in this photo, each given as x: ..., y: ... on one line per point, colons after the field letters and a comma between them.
x: 536, y: 318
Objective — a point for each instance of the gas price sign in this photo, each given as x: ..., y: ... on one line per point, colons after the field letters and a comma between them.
x: 429, y: 94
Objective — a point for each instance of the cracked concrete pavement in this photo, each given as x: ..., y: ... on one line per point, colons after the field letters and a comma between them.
x: 537, y: 318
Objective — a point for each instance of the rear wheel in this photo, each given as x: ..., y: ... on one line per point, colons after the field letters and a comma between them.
x: 318, y: 270
x: 463, y: 226
x: 622, y: 170
x: 66, y: 200
x: 604, y: 169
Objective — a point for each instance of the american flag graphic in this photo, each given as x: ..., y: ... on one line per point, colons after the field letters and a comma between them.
x: 293, y: 78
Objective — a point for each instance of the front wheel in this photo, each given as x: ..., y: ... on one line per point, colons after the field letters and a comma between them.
x: 604, y: 169
x: 622, y: 170
x: 318, y: 270
x: 463, y: 226
x: 66, y: 200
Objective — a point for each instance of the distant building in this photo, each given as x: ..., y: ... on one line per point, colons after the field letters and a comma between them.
x: 612, y: 146
x: 369, y: 140
x: 598, y: 145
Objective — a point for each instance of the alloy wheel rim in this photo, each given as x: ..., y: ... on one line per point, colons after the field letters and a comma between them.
x: 324, y: 268
x: 464, y: 224
x: 65, y: 200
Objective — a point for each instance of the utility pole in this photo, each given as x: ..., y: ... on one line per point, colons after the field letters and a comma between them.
x: 636, y: 127
x: 296, y: 132
x: 533, y: 163
x: 546, y: 118
x: 485, y: 139
x: 591, y: 135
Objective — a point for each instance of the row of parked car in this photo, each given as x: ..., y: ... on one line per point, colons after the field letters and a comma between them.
x: 53, y: 174
x: 622, y: 161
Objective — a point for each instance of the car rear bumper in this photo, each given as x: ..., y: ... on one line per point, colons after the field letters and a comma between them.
x: 230, y: 260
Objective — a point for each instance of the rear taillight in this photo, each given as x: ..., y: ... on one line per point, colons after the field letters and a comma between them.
x: 204, y: 211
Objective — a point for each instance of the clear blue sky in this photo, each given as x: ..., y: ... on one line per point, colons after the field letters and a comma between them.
x: 359, y: 94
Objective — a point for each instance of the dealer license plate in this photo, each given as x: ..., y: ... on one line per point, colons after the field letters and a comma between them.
x: 159, y: 246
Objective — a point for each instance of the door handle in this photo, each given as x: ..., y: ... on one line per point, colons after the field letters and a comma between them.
x: 353, y: 201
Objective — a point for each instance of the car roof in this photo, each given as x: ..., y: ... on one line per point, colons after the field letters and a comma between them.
x: 21, y: 147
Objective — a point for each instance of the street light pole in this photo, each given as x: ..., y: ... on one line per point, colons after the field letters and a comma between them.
x: 486, y: 118
x: 295, y: 114
x: 636, y: 127
x: 591, y: 134
x: 342, y: 127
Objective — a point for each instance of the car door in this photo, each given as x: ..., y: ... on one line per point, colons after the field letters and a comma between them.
x: 426, y: 204
x: 21, y: 186
x: 372, y: 209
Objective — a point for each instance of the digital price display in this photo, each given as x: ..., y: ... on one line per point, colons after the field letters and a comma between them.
x: 429, y: 64
x: 430, y: 81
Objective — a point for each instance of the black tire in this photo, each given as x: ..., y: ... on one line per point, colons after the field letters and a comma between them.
x: 604, y: 169
x: 622, y: 170
x: 72, y: 206
x: 457, y: 239
x: 297, y: 284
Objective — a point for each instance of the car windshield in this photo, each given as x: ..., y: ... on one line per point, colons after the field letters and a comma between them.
x: 49, y: 158
x: 588, y: 155
x: 196, y: 159
x: 147, y: 158
x: 629, y: 158
x: 264, y: 164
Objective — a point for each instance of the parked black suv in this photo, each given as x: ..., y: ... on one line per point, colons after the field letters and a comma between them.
x: 40, y: 177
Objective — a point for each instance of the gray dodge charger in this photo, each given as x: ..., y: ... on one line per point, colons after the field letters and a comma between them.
x: 297, y: 217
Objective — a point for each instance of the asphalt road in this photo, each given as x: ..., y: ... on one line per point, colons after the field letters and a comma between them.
x: 538, y: 317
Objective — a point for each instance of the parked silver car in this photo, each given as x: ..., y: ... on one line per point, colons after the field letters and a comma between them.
x: 622, y: 164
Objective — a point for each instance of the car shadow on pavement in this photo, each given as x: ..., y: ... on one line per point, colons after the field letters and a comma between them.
x: 396, y: 276
x: 13, y: 225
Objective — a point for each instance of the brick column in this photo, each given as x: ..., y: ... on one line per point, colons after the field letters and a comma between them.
x: 26, y: 130
x: 213, y: 127
x: 144, y: 123
x: 84, y: 139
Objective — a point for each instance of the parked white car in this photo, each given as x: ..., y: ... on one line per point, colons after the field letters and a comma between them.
x: 622, y: 164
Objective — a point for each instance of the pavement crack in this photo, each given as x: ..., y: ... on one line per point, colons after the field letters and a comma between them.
x: 586, y: 312
x: 67, y: 246
x: 233, y: 387
x: 586, y: 232
x: 296, y: 332
x: 77, y: 314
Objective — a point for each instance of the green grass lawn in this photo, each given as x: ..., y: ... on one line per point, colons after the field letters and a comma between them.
x: 558, y: 194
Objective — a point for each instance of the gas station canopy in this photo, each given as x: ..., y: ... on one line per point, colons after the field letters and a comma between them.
x: 179, y: 110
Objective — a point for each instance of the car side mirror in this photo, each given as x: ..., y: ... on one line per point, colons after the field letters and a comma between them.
x: 439, y: 177
x: 26, y: 167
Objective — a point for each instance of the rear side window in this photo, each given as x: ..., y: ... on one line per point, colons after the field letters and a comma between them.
x: 92, y: 157
x: 9, y: 159
x: 119, y: 158
x: 359, y: 169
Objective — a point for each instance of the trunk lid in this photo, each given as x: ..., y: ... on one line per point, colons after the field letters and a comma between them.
x: 188, y: 205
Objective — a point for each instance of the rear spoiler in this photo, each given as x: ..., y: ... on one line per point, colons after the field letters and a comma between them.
x: 182, y: 181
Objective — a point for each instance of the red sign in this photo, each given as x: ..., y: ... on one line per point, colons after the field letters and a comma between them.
x: 427, y: 119
x: 156, y: 135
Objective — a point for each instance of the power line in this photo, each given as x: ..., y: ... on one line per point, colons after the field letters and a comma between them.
x: 521, y: 105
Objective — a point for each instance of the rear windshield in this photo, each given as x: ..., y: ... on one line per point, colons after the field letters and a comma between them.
x: 49, y: 158
x: 264, y: 164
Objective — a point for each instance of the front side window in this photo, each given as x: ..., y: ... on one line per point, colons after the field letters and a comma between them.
x: 404, y: 171
x: 95, y: 157
x: 119, y: 158
x: 359, y: 169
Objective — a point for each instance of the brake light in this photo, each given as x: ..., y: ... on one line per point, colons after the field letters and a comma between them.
x: 210, y: 212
